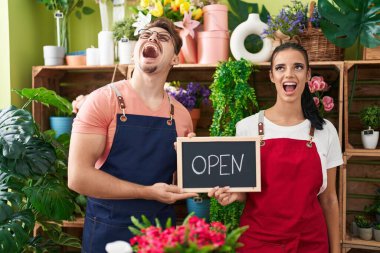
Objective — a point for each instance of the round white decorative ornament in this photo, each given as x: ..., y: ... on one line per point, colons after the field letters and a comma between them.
x: 253, y: 25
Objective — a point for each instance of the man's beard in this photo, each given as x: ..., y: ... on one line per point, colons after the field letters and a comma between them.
x: 148, y: 69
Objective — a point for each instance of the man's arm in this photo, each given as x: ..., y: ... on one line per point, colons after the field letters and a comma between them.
x: 85, y: 179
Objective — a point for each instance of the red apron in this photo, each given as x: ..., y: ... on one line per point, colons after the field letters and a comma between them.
x: 286, y: 215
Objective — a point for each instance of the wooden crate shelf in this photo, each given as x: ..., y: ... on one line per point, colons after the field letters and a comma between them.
x: 365, y: 93
x: 361, y: 179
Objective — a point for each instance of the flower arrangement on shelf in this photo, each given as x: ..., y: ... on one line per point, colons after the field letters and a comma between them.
x: 318, y: 87
x: 192, y: 96
x: 292, y: 21
x: 194, y: 235
x: 172, y: 9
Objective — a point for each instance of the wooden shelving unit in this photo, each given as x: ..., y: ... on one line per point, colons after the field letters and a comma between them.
x: 361, y: 171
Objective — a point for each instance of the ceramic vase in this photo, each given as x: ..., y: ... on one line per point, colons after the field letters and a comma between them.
x: 370, y: 140
x: 189, y: 48
x: 253, y: 25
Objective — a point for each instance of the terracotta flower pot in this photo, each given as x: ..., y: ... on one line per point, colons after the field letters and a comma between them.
x: 195, y: 114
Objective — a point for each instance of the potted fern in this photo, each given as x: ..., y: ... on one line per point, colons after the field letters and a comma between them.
x: 370, y: 117
x: 232, y: 99
x: 33, y: 187
x: 124, y: 35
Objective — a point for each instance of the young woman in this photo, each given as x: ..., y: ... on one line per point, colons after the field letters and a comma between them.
x: 297, y: 210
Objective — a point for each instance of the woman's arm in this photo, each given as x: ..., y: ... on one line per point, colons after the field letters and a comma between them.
x: 330, y: 206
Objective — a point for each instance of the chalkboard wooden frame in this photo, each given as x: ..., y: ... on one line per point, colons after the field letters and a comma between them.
x: 256, y: 186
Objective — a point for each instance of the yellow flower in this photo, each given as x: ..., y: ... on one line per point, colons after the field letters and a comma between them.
x: 167, y: 2
x: 184, y: 7
x: 158, y: 10
x: 197, y: 14
x: 144, y: 4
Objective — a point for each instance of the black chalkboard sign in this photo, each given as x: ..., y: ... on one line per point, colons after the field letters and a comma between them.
x: 206, y: 162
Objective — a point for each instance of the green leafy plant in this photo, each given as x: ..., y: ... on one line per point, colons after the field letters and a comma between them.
x: 370, y: 117
x: 33, y: 167
x: 233, y: 99
x: 48, y: 98
x: 193, y: 236
x: 346, y: 21
x: 362, y: 221
x: 377, y: 226
x: 238, y: 12
x: 124, y: 29
x: 66, y: 7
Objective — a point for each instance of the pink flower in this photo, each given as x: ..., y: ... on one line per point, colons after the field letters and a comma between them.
x: 78, y: 102
x: 317, y: 84
x: 188, y: 24
x: 316, y: 101
x: 328, y: 103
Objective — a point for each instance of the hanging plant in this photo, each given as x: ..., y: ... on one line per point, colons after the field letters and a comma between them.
x: 232, y: 99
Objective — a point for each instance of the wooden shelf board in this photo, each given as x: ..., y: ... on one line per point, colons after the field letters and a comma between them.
x: 362, y: 244
x: 362, y: 152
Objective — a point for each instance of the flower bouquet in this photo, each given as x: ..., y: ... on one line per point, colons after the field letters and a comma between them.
x: 194, y: 235
x: 317, y: 87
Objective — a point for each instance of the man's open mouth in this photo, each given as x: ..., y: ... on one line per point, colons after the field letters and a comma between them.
x: 150, y: 51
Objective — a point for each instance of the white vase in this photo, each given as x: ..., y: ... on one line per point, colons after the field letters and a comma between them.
x: 370, y: 140
x: 126, y: 48
x: 106, y: 48
x: 253, y: 25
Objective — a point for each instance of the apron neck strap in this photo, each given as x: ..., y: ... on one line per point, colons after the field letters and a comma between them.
x: 120, y: 101
x: 260, y: 127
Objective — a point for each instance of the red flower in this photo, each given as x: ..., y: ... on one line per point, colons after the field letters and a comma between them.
x: 317, y: 84
x: 328, y: 103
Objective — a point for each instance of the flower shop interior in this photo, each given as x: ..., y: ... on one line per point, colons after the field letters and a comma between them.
x: 73, y: 47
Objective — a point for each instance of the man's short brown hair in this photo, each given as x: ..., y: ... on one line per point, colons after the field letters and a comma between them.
x: 168, y: 25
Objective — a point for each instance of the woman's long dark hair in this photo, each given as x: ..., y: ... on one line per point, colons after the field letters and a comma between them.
x: 310, y: 110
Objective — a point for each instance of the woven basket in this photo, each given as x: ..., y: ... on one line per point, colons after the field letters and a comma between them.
x: 319, y: 48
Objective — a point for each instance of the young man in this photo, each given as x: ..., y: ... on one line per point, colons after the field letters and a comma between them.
x: 121, y: 153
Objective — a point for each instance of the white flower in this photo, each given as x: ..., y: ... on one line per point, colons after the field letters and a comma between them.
x: 141, y: 22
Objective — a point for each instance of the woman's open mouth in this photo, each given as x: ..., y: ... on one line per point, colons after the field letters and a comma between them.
x: 289, y: 86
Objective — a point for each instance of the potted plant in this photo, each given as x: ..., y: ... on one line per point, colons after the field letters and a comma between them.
x: 364, y: 227
x: 232, y: 99
x: 62, y: 121
x: 62, y: 10
x: 33, y: 167
x: 124, y: 35
x: 370, y: 117
x: 194, y: 235
x: 376, y: 232
x: 362, y: 27
x: 192, y: 97
x: 199, y: 206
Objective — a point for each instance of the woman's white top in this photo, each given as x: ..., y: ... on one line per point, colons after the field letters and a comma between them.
x: 326, y: 140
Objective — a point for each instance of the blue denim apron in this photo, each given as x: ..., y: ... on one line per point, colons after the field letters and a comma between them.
x: 143, y: 153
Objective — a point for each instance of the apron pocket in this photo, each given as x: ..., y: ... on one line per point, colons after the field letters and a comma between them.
x: 266, y: 247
